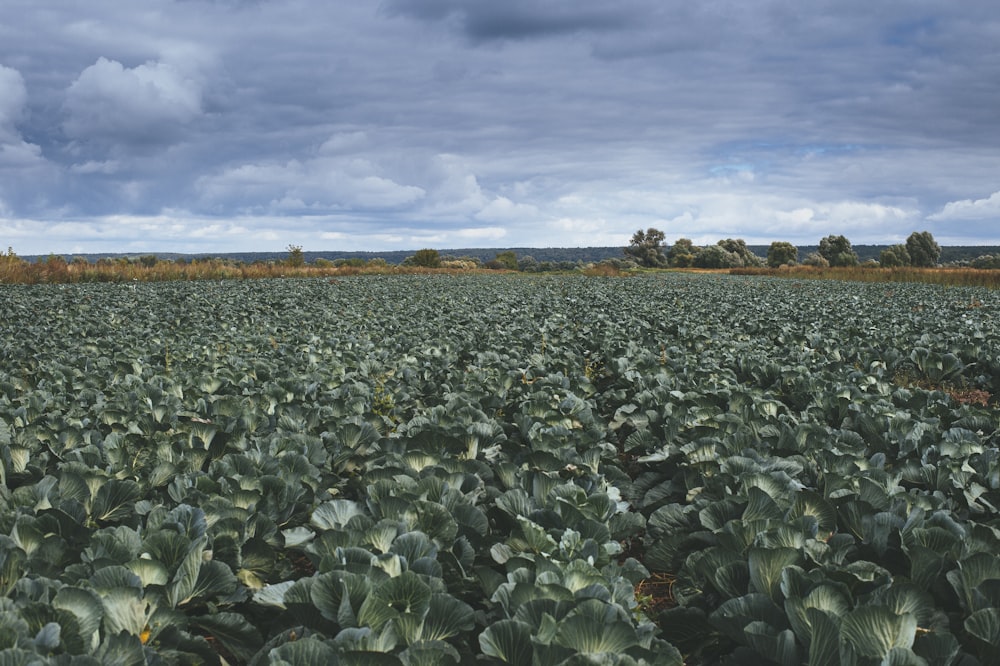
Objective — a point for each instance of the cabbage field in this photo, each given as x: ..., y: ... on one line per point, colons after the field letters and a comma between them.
x: 434, y: 469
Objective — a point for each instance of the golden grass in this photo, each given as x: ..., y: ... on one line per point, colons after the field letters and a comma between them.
x: 56, y: 270
x: 952, y: 277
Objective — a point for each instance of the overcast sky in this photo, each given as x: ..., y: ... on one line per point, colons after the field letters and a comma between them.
x: 237, y: 125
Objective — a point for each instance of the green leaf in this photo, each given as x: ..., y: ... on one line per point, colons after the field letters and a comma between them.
x: 185, y: 580
x: 533, y: 538
x: 297, y: 536
x: 874, y: 630
x: 766, y: 566
x: 187, y: 520
x: 735, y: 614
x: 808, y: 503
x: 115, y: 500
x: 87, y: 608
x: 307, y: 651
x: 509, y: 641
x: 363, y: 639
x: 150, y: 572
x: 515, y: 503
x: 778, y: 646
x: 13, y: 562
x: 108, y: 578
x: 48, y: 637
x: 273, y: 595
x: 433, y: 520
x: 404, y: 594
x: 408, y: 626
x: 714, y: 516
x: 334, y: 514
x: 233, y: 631
x: 984, y: 624
x: 215, y: 581
x: 590, y: 636
x: 902, y: 657
x: 430, y: 653
x: 907, y: 598
x: 687, y: 628
x: 74, y: 486
x: 824, y: 646
x: 724, y: 569
x: 446, y: 617
x: 121, y: 650
x: 125, y: 610
x: 937, y: 647
x: 760, y: 506
x: 971, y: 573
x: 367, y: 658
x: 413, y: 546
x: 827, y: 598
x: 338, y: 592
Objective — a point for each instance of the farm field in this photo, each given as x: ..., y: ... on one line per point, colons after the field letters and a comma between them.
x: 435, y: 469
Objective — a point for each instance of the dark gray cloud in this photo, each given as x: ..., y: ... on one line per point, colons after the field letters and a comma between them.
x: 484, y: 21
x: 231, y: 124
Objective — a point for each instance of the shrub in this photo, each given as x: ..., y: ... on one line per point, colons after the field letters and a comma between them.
x: 425, y: 258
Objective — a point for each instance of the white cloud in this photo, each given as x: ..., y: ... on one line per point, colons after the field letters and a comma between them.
x: 502, y: 209
x: 455, y: 193
x: 479, y: 233
x: 93, y: 166
x: 330, y: 122
x: 343, y: 141
x: 15, y: 152
x: 13, y: 97
x: 797, y: 217
x: 20, y: 154
x: 970, y: 209
x: 319, y: 184
x: 145, y: 103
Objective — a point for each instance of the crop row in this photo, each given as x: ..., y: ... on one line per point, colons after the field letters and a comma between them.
x: 485, y: 469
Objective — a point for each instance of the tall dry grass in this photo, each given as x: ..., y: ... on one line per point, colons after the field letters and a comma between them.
x: 56, y: 270
x: 952, y: 277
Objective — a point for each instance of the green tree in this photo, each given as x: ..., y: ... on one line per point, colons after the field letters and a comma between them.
x: 739, y: 247
x: 426, y: 258
x: 716, y: 256
x: 647, y: 248
x: 894, y: 256
x: 986, y: 261
x: 295, y: 258
x: 682, y: 253
x: 527, y: 263
x: 507, y: 259
x: 782, y: 253
x: 816, y: 260
x: 924, y: 250
x: 837, y: 251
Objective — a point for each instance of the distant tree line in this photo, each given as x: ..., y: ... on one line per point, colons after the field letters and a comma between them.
x: 648, y: 249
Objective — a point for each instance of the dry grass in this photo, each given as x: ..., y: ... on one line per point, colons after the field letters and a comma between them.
x: 952, y: 277
x: 56, y: 270
x: 656, y: 593
x: 960, y: 393
x: 971, y: 397
x: 604, y: 270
